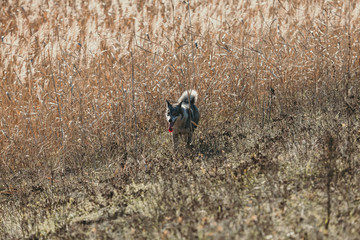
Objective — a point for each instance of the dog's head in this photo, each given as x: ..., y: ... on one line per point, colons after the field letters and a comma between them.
x: 172, y: 113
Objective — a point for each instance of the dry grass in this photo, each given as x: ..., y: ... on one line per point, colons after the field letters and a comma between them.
x: 84, y: 147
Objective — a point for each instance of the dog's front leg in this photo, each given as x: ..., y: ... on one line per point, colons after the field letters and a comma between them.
x: 189, y: 139
x: 175, y: 140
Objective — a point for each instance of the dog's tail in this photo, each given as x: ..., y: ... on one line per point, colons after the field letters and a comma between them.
x: 185, y: 97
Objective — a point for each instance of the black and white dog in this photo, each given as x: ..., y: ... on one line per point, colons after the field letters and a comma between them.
x: 183, y: 117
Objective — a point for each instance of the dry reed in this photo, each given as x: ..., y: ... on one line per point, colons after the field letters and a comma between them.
x: 67, y: 69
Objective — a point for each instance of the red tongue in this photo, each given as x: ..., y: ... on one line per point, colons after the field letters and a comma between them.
x: 171, y: 127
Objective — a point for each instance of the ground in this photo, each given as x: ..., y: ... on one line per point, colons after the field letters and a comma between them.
x: 237, y: 181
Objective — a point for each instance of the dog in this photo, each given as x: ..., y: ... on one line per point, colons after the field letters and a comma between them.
x: 183, y: 117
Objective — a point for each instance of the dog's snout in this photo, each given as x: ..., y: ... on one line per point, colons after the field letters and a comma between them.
x: 170, y: 120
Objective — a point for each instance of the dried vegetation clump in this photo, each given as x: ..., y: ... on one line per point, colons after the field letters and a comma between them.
x: 83, y: 143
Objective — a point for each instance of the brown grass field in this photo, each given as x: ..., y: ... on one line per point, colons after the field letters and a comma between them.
x: 84, y: 147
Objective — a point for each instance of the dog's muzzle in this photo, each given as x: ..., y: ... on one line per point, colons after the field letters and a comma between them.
x: 171, y: 125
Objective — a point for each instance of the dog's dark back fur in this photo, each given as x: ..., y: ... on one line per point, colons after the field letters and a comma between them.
x: 192, y: 111
x: 194, y: 116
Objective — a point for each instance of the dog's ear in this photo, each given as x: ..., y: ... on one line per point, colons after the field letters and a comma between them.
x: 179, y: 105
x: 168, y: 103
